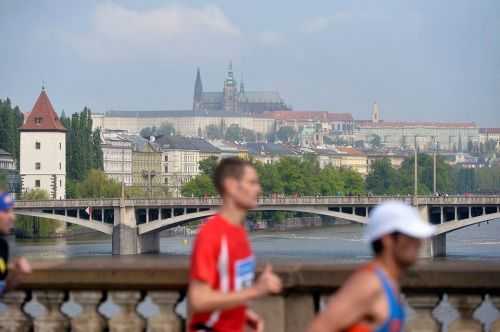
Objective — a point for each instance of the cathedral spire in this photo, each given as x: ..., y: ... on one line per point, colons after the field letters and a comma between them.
x: 198, y: 91
x: 230, y: 74
x: 198, y: 86
x: 242, y: 85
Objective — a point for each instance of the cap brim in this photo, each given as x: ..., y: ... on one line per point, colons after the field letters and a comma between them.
x: 418, y: 229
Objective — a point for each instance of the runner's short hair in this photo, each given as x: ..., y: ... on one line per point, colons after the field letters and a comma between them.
x: 232, y: 167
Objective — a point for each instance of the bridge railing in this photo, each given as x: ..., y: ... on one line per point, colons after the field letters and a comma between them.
x: 114, y: 295
x: 268, y: 200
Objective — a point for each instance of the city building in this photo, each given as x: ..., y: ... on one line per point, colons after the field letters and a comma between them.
x: 268, y: 153
x: 396, y: 160
x: 43, y: 150
x: 7, y: 162
x: 234, y: 100
x: 427, y: 136
x: 117, y: 156
x: 490, y: 134
x: 180, y: 159
x: 346, y: 157
x: 146, y: 163
x: 328, y: 122
x: 230, y: 149
x: 186, y: 123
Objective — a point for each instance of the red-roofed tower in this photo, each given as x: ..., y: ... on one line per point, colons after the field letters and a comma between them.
x: 43, y: 150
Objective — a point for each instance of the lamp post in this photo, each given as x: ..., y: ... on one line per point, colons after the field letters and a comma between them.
x: 415, y: 171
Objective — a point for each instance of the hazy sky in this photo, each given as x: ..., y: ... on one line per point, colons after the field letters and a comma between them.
x: 420, y: 60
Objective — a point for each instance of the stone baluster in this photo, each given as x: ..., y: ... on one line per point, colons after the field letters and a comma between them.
x: 128, y: 320
x: 166, y: 320
x: 53, y: 320
x: 465, y: 305
x: 272, y: 311
x: 89, y: 319
x: 422, y: 320
x: 495, y: 326
x: 13, y: 319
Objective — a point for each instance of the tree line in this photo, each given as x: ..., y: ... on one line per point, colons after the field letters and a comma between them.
x: 288, y: 176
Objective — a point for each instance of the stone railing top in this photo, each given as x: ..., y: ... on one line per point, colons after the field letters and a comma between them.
x: 157, y: 272
x: 286, y: 200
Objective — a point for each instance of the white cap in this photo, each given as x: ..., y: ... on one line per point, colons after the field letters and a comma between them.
x: 394, y: 216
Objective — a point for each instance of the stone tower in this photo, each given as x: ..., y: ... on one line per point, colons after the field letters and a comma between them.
x: 43, y: 150
x: 198, y: 92
x: 375, y: 113
x: 230, y: 91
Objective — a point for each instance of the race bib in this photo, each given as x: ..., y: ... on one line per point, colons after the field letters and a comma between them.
x: 244, y: 273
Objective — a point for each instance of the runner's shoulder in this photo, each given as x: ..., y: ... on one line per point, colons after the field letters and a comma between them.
x: 365, y: 281
x: 211, y: 226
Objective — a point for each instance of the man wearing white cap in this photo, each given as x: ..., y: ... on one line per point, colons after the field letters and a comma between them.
x: 369, y: 300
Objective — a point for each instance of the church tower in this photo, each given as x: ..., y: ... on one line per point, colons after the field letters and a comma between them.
x: 375, y: 113
x: 198, y: 92
x: 230, y: 91
x: 43, y: 150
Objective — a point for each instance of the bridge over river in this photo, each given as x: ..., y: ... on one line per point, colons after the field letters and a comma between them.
x: 135, y: 224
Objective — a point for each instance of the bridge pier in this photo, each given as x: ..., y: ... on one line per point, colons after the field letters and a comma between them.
x: 125, y: 238
x: 434, y: 247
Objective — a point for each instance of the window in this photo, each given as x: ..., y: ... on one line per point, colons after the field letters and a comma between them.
x: 166, y: 169
x: 38, y: 120
x: 37, y: 145
x: 37, y: 183
x: 60, y: 183
x: 38, y: 165
x: 60, y: 146
x: 166, y: 157
x: 60, y: 165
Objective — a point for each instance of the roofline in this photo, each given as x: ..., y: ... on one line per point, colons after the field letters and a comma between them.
x: 44, y: 130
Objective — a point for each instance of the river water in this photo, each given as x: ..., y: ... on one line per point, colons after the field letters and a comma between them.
x: 329, y: 244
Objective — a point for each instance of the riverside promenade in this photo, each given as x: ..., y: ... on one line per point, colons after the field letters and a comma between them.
x: 128, y: 280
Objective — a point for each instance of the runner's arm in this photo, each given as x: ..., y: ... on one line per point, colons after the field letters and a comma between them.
x: 349, y: 305
x: 202, y: 298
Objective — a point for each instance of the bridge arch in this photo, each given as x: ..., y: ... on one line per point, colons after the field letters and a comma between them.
x: 160, y: 225
x: 452, y: 226
x: 94, y: 225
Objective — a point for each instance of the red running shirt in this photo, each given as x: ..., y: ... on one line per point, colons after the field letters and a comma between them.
x: 222, y: 257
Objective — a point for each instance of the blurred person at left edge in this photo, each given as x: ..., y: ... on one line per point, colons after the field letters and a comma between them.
x: 10, y: 274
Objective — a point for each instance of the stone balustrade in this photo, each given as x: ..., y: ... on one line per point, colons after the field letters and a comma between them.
x: 128, y: 284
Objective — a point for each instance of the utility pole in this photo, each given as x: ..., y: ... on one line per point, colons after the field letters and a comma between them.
x: 415, y: 193
x: 434, y: 168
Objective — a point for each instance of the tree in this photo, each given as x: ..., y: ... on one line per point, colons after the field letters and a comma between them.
x: 382, y: 178
x: 165, y: 129
x: 208, y: 166
x: 35, y: 226
x: 375, y: 141
x: 286, y: 134
x: 200, y: 186
x: 11, y: 118
x: 214, y: 132
x: 83, y: 145
x: 97, y: 185
x: 233, y: 133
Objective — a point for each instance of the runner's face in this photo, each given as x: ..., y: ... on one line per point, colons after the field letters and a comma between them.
x: 246, y: 190
x: 406, y: 249
x: 6, y: 221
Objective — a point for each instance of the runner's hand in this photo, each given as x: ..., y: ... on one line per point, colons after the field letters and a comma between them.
x: 268, y: 282
x: 22, y: 266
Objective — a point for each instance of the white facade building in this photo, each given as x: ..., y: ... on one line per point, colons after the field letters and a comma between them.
x: 117, y: 157
x: 43, y: 150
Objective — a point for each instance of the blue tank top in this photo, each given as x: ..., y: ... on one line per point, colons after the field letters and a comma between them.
x: 396, y: 318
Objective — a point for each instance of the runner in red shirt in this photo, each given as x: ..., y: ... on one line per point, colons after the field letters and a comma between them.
x: 222, y: 262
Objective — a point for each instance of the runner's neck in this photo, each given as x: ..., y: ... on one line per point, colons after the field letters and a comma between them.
x: 232, y: 214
